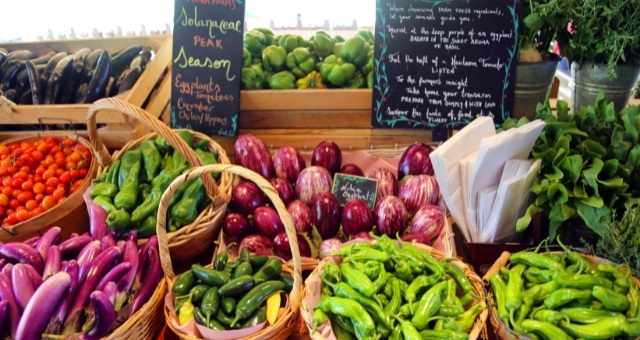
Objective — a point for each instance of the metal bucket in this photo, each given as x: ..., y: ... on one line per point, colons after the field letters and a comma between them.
x: 533, y: 81
x: 587, y: 81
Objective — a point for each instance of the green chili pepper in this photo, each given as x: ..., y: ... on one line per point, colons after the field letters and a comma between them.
x: 257, y: 261
x: 147, y: 227
x: 466, y: 298
x: 394, y: 304
x: 451, y: 305
x: 430, y: 263
x: 201, y: 319
x: 586, y: 315
x: 576, y: 258
x: 210, y: 303
x: 211, y: 277
x: 403, y: 271
x: 396, y: 334
x: 339, y: 331
x: 112, y: 173
x: 319, y: 317
x: 185, y: 211
x: 448, y: 334
x: 221, y: 259
x: 580, y: 281
x: 541, y: 291
x: 183, y: 283
x: 522, y: 313
x: 499, y: 291
x: 563, y: 296
x: 127, y: 161
x: 256, y: 318
x: 344, y: 290
x: 631, y: 330
x: 382, y: 278
x: 409, y: 332
x: 621, y: 278
x: 634, y: 300
x: 331, y: 273
x: 531, y: 259
x: 198, y: 292
x: 611, y: 300
x: 549, y: 315
x: 386, y: 244
x: 363, y: 324
x: 407, y: 308
x: 103, y: 189
x: 428, y: 306
x: 224, y: 319
x: 460, y: 277
x: 287, y: 279
x: 116, y: 218
x: 151, y: 159
x: 514, y: 292
x: 228, y: 305
x: 604, y: 328
x: 537, y: 275
x: 243, y: 269
x: 269, y: 271
x: 504, y: 271
x: 151, y: 203
x: 464, y: 322
x: 237, y: 286
x: 127, y: 197
x: 255, y: 297
x: 545, y: 329
x: 368, y: 254
x: 342, y: 322
x: 370, y: 268
x: 162, y: 145
x: 357, y: 280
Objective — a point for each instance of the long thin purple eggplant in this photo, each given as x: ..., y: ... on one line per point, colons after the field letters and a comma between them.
x: 88, y: 254
x: 22, y: 286
x: 6, y: 294
x: 124, y: 284
x: 34, y: 319
x: 114, y: 274
x: 57, y: 319
x: 53, y: 263
x: 111, y: 289
x: 36, y: 278
x: 23, y: 253
x: 132, y: 236
x: 6, y: 270
x: 49, y: 238
x: 88, y: 283
x: 72, y: 246
x: 108, y: 241
x: 152, y: 276
x: 33, y: 241
x: 152, y: 242
x: 120, y: 244
x: 104, y: 318
x: 4, y: 317
x: 2, y: 263
x: 97, y: 221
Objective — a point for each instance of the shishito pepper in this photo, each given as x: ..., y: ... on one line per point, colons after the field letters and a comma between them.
x: 116, y: 218
x: 363, y: 324
x: 186, y: 210
x: 274, y: 58
x: 428, y: 305
x: 150, y: 158
x: 151, y: 203
x: 313, y: 80
x: 103, y: 189
x: 283, y: 80
x: 336, y: 71
x: 254, y: 41
x: 253, y: 78
x: 321, y: 44
x: 127, y: 161
x: 355, y: 50
x: 300, y: 62
x: 127, y: 197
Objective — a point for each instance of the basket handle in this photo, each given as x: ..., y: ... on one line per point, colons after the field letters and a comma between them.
x: 154, y: 124
x: 267, y: 188
x: 500, y: 262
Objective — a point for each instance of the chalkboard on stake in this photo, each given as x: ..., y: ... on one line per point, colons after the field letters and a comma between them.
x: 207, y: 64
x: 349, y: 187
x: 443, y: 63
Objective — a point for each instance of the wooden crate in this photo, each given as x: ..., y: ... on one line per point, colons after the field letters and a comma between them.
x: 151, y: 91
x: 304, y: 118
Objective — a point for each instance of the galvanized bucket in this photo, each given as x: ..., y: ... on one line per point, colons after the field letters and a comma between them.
x: 533, y: 81
x: 587, y: 80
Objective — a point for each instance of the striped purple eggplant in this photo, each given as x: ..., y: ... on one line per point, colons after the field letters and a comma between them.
x: 288, y: 162
x: 312, y: 181
x: 387, y: 183
x: 23, y: 253
x: 251, y: 153
x: 417, y: 191
x: 391, y: 216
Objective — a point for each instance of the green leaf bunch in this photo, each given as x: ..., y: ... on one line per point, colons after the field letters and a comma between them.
x: 540, y: 24
x: 590, y: 164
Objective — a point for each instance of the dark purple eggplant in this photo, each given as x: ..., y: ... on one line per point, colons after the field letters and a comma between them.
x: 131, y: 255
x: 10, y: 75
x: 20, y: 252
x: 58, y: 80
x: 130, y: 79
x: 282, y: 246
x: 412, y: 237
x: 48, y: 69
x: 391, y: 216
x: 152, y: 276
x: 98, y: 227
x: 363, y: 235
x: 312, y: 181
x: 327, y: 154
x: 4, y: 314
x: 79, y: 58
x: 246, y: 196
x: 300, y: 215
x: 284, y: 189
x: 428, y: 220
x: 325, y: 214
x: 43, y: 59
x: 73, y: 245
x: 236, y: 226
x: 53, y: 264
x: 152, y: 242
x: 57, y: 319
x: 417, y: 191
x: 251, y: 153
x: 415, y: 161
x: 267, y: 221
x: 122, y: 59
x: 11, y: 95
x: 288, y: 162
x: 34, y: 84
x: 257, y: 244
x: 92, y: 60
x: 6, y: 294
x: 104, y: 317
x: 23, y: 288
x: 108, y: 241
x: 49, y: 238
x: 88, y: 254
x: 41, y: 305
x: 356, y: 217
x: 351, y: 169
x: 387, y: 183
x: 97, y: 87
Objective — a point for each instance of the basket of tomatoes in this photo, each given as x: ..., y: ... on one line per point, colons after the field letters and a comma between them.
x: 43, y: 178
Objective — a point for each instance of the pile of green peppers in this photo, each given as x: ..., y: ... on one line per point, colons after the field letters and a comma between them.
x: 232, y: 294
x: 131, y: 189
x: 289, y: 61
x: 564, y: 296
x: 394, y: 290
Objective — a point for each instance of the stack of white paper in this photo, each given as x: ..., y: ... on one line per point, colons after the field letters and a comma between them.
x: 485, y: 177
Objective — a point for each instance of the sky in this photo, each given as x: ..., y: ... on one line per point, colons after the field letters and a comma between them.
x: 32, y: 20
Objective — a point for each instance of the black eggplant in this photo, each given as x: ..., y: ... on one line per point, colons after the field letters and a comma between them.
x: 122, y: 60
x: 25, y: 98
x: 130, y: 79
x: 143, y: 58
x: 11, y: 95
x: 9, y: 75
x: 43, y: 59
x: 57, y: 81
x: 48, y: 69
x: 98, y: 83
x: 34, y: 84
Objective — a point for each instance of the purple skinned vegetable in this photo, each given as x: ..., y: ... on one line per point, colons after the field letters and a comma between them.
x: 152, y: 242
x: 356, y: 217
x: 41, y: 305
x: 104, y: 317
x: 246, y: 196
x: 257, y: 244
x: 6, y: 270
x: 20, y: 252
x: 288, y: 162
x: 236, y: 226
x: 391, y: 216
x: 328, y: 155
x: 53, y: 263
x: 6, y: 294
x: 86, y: 258
x: 415, y: 160
x: 57, y: 319
x: 108, y: 241
x: 33, y: 241
x: 351, y: 169
x: 417, y: 191
x: 325, y: 214
x: 130, y: 255
x: 312, y: 181
x: 387, y: 183
x: 36, y: 278
x: 23, y: 288
x: 251, y: 153
x: 111, y: 289
x: 153, y: 274
x: 97, y: 221
x: 300, y: 215
x: 132, y: 236
x: 2, y: 263
x: 4, y: 316
x: 72, y: 246
x: 267, y: 221
x: 49, y: 238
x: 284, y: 189
x: 116, y: 273
x: 120, y: 244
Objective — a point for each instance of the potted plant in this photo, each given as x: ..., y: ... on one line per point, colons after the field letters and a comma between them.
x: 602, y: 42
x: 536, y: 66
x: 590, y: 166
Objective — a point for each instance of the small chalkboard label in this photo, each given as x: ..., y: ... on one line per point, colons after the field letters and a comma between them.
x: 349, y: 187
x: 443, y: 62
x: 207, y: 64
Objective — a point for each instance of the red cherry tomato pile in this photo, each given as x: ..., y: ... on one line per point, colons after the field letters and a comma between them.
x: 37, y: 175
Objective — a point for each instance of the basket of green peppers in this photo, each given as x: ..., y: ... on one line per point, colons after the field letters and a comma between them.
x: 240, y: 296
x: 562, y: 295
x: 131, y: 181
x: 390, y: 289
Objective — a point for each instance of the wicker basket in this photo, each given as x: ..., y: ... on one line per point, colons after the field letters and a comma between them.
x: 313, y: 287
x: 499, y: 328
x: 288, y: 321
x: 196, y: 237
x: 71, y: 215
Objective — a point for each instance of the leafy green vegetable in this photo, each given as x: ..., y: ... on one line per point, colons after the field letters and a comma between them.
x: 590, y: 164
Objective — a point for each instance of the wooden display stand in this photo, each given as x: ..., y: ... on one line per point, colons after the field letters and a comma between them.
x: 151, y: 91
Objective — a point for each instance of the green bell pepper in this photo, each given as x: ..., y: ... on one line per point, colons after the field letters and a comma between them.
x: 268, y: 34
x: 253, y: 78
x: 254, y: 41
x: 291, y: 42
x: 337, y: 47
x: 282, y: 80
x: 355, y: 50
x: 366, y: 34
x: 300, y: 62
x: 274, y: 58
x: 357, y: 82
x: 321, y: 44
x: 247, y: 60
x: 370, y: 80
x: 336, y: 71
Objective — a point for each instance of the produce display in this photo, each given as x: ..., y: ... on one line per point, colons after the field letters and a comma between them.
x: 82, y: 287
x: 563, y: 295
x: 407, y: 208
x: 60, y: 77
x: 38, y: 175
x: 130, y: 190
x: 232, y: 293
x: 395, y: 290
x: 289, y: 61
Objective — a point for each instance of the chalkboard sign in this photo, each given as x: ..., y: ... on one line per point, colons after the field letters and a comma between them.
x: 443, y: 63
x: 349, y: 187
x: 207, y: 63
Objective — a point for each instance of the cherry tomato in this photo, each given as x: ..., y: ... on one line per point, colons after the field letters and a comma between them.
x: 27, y: 185
x: 53, y: 181
x: 59, y: 193
x: 4, y: 150
x: 31, y: 204
x: 25, y: 196
x: 36, y: 211
x: 39, y: 188
x: 4, y: 200
x: 23, y: 215
x: 48, y: 202
x: 17, y: 182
